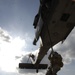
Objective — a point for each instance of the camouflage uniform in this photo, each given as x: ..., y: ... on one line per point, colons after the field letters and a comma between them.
x: 56, y: 63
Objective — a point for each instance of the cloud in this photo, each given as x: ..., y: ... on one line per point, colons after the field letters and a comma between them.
x: 25, y: 59
x: 67, y: 49
x: 8, y: 73
x: 4, y: 35
x: 10, y: 50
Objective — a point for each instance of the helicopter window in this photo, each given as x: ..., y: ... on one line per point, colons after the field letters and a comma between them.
x: 65, y: 17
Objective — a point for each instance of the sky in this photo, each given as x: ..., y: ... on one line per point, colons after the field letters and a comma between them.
x: 16, y: 37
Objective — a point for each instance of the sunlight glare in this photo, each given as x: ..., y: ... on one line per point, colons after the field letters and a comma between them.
x: 8, y: 52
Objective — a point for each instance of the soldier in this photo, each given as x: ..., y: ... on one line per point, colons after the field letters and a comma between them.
x: 56, y: 63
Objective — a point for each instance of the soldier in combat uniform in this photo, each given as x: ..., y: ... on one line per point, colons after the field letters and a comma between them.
x: 56, y: 63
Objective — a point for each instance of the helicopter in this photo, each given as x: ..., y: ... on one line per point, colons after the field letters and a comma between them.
x: 53, y: 23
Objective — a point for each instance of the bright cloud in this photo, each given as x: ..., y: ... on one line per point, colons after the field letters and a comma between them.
x: 9, y: 50
x: 4, y: 35
x: 13, y: 48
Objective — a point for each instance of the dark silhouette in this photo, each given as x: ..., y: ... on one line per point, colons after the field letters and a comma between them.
x: 56, y: 63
